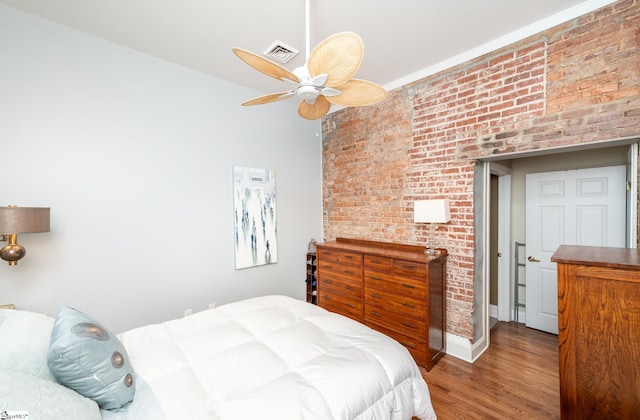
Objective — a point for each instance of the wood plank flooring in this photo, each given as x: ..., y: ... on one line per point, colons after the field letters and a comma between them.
x: 517, y: 377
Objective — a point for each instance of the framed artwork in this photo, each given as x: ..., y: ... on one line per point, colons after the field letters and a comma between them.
x: 254, y: 207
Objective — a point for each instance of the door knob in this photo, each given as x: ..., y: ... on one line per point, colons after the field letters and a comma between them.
x: 533, y: 259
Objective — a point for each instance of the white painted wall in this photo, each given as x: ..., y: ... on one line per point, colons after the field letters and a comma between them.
x: 134, y: 156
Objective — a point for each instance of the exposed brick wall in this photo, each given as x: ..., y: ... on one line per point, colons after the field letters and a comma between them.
x: 576, y: 83
x: 595, y: 60
x: 365, y: 158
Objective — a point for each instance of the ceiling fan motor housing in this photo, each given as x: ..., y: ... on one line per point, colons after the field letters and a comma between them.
x: 308, y: 92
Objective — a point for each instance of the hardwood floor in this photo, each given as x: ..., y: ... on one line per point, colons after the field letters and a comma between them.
x: 517, y: 377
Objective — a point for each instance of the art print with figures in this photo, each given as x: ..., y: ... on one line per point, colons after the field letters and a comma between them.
x: 254, y: 202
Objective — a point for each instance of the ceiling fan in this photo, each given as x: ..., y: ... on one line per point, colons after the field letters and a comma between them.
x: 325, y: 79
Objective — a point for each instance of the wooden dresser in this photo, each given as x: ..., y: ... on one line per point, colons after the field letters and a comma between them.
x: 393, y: 288
x: 599, y: 332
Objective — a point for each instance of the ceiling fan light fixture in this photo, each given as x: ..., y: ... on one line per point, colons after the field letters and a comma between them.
x: 308, y: 92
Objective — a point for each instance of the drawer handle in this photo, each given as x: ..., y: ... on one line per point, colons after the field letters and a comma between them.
x: 375, y: 278
x: 378, y: 314
x: 409, y: 286
x: 408, y: 305
x: 411, y: 346
x: 373, y: 295
x: 348, y: 257
x: 348, y: 272
x: 406, y: 324
x: 327, y: 281
x: 348, y: 287
x: 351, y: 305
x: 408, y: 267
x: 375, y: 261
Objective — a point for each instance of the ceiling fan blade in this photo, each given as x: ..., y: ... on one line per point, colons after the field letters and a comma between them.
x: 338, y: 56
x: 273, y: 97
x: 314, y: 111
x: 265, y: 66
x: 358, y: 92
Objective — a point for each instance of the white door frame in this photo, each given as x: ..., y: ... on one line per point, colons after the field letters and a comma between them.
x: 504, y: 238
x: 504, y: 210
x: 632, y: 213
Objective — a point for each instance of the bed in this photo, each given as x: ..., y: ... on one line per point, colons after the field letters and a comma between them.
x: 267, y: 357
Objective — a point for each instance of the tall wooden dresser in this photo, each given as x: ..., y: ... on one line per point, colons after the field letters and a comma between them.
x: 393, y: 288
x: 599, y: 332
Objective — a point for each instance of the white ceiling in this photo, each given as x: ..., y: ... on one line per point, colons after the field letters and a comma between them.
x: 404, y: 39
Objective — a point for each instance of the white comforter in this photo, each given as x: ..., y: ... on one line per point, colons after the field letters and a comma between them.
x: 272, y: 357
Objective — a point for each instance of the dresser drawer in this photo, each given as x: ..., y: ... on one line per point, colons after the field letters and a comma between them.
x: 410, y: 268
x: 401, y: 305
x: 351, y: 287
x: 340, y: 304
x: 378, y: 263
x: 341, y: 270
x: 416, y: 347
x: 343, y: 257
x: 392, y: 321
x: 395, y: 284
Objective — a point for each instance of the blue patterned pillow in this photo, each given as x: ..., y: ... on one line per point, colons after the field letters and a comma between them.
x: 24, y: 342
x: 43, y: 399
x: 86, y: 357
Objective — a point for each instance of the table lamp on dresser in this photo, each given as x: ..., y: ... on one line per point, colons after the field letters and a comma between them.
x: 432, y: 212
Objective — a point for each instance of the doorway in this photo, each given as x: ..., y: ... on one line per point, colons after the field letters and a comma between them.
x: 510, y: 225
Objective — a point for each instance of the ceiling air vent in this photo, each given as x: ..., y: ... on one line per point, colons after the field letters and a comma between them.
x: 281, y: 52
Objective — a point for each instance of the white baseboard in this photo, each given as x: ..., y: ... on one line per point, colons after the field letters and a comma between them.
x: 493, y: 311
x: 459, y: 347
x: 478, y: 348
x: 462, y: 348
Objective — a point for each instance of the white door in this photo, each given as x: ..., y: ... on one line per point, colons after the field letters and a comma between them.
x: 576, y: 207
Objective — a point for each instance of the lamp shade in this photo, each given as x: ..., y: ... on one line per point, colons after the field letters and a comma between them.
x: 431, y: 211
x: 24, y: 220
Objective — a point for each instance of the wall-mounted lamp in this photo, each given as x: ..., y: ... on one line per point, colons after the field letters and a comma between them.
x: 433, y: 212
x: 14, y: 220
